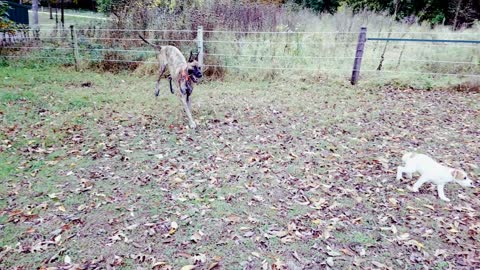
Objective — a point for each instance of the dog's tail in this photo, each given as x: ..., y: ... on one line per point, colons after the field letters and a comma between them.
x: 146, y: 41
x: 407, y: 156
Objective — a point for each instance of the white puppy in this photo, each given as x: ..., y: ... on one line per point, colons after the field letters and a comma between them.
x: 431, y: 171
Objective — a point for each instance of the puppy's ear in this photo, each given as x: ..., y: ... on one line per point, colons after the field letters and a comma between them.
x: 457, y: 174
x: 196, y: 57
x: 190, y: 59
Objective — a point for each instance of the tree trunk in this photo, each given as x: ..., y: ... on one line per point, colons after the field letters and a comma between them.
x: 35, y: 17
x: 382, y: 57
x: 457, y: 10
x: 35, y: 12
x: 62, y: 17
x: 50, y: 9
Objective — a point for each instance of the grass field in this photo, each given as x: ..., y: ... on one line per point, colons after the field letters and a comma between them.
x: 284, y: 174
x: 78, y: 18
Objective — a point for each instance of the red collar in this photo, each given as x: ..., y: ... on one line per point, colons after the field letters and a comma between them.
x: 185, y: 75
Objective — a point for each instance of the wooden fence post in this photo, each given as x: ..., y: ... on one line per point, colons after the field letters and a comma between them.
x: 200, y: 45
x: 76, y: 55
x: 362, y: 38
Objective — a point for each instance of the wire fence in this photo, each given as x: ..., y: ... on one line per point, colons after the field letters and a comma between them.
x: 329, y: 52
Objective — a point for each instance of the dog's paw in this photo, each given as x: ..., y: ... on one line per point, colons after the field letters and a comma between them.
x: 412, y: 189
x: 445, y: 199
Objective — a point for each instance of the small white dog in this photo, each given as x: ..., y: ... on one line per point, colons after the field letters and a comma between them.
x: 431, y: 171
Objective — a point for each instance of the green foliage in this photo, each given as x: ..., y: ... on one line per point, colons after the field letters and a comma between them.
x: 433, y: 11
x: 4, y: 14
x: 329, y: 6
x: 106, y: 6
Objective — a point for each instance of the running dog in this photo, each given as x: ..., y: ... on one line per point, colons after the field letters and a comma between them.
x: 182, y: 73
x: 431, y: 171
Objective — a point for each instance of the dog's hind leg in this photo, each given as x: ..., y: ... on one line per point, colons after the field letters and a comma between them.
x: 157, y: 86
x: 422, y: 180
x: 187, y: 110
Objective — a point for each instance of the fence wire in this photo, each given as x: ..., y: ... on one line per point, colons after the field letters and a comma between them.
x: 88, y: 46
x: 383, y: 72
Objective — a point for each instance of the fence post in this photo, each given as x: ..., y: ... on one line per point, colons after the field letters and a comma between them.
x: 76, y: 56
x: 362, y: 38
x: 200, y: 45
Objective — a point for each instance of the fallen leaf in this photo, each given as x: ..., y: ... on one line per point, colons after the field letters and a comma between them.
x: 213, y: 265
x: 393, y: 201
x: 330, y: 261
x: 429, y: 206
x: 256, y: 254
x: 334, y: 253
x: 173, y: 228
x: 196, y: 237
x: 67, y: 259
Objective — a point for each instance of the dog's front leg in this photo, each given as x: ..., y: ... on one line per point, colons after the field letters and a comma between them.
x: 189, y: 102
x: 441, y: 193
x: 187, y: 110
x: 422, y: 180
x: 170, y: 82
x: 157, y: 86
x: 400, y: 170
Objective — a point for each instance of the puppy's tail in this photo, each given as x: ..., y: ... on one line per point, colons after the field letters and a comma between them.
x: 407, y: 156
x: 153, y: 45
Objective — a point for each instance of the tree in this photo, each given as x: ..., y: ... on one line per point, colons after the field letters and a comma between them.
x: 329, y: 6
x: 62, y: 15
x: 35, y: 12
x: 454, y: 12
x: 463, y: 12
x: 50, y: 9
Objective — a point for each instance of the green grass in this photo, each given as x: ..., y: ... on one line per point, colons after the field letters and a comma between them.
x: 76, y: 17
x: 286, y: 147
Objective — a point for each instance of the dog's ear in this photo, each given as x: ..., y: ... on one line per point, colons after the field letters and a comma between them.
x: 190, y: 59
x: 457, y: 174
x: 196, y: 57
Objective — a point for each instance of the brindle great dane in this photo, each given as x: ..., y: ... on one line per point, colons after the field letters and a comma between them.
x: 183, y: 73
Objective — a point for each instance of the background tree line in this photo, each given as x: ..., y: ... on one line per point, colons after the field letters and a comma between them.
x: 458, y: 13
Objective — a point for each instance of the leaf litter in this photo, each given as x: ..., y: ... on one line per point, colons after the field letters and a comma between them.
x: 309, y: 186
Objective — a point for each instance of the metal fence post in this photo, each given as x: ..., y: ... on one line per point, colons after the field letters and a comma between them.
x: 200, y: 45
x: 76, y: 55
x: 362, y: 37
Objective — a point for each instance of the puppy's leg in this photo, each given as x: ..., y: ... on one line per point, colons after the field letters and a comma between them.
x: 422, y: 180
x: 441, y: 194
x: 400, y: 171
x: 157, y: 86
x: 187, y: 110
